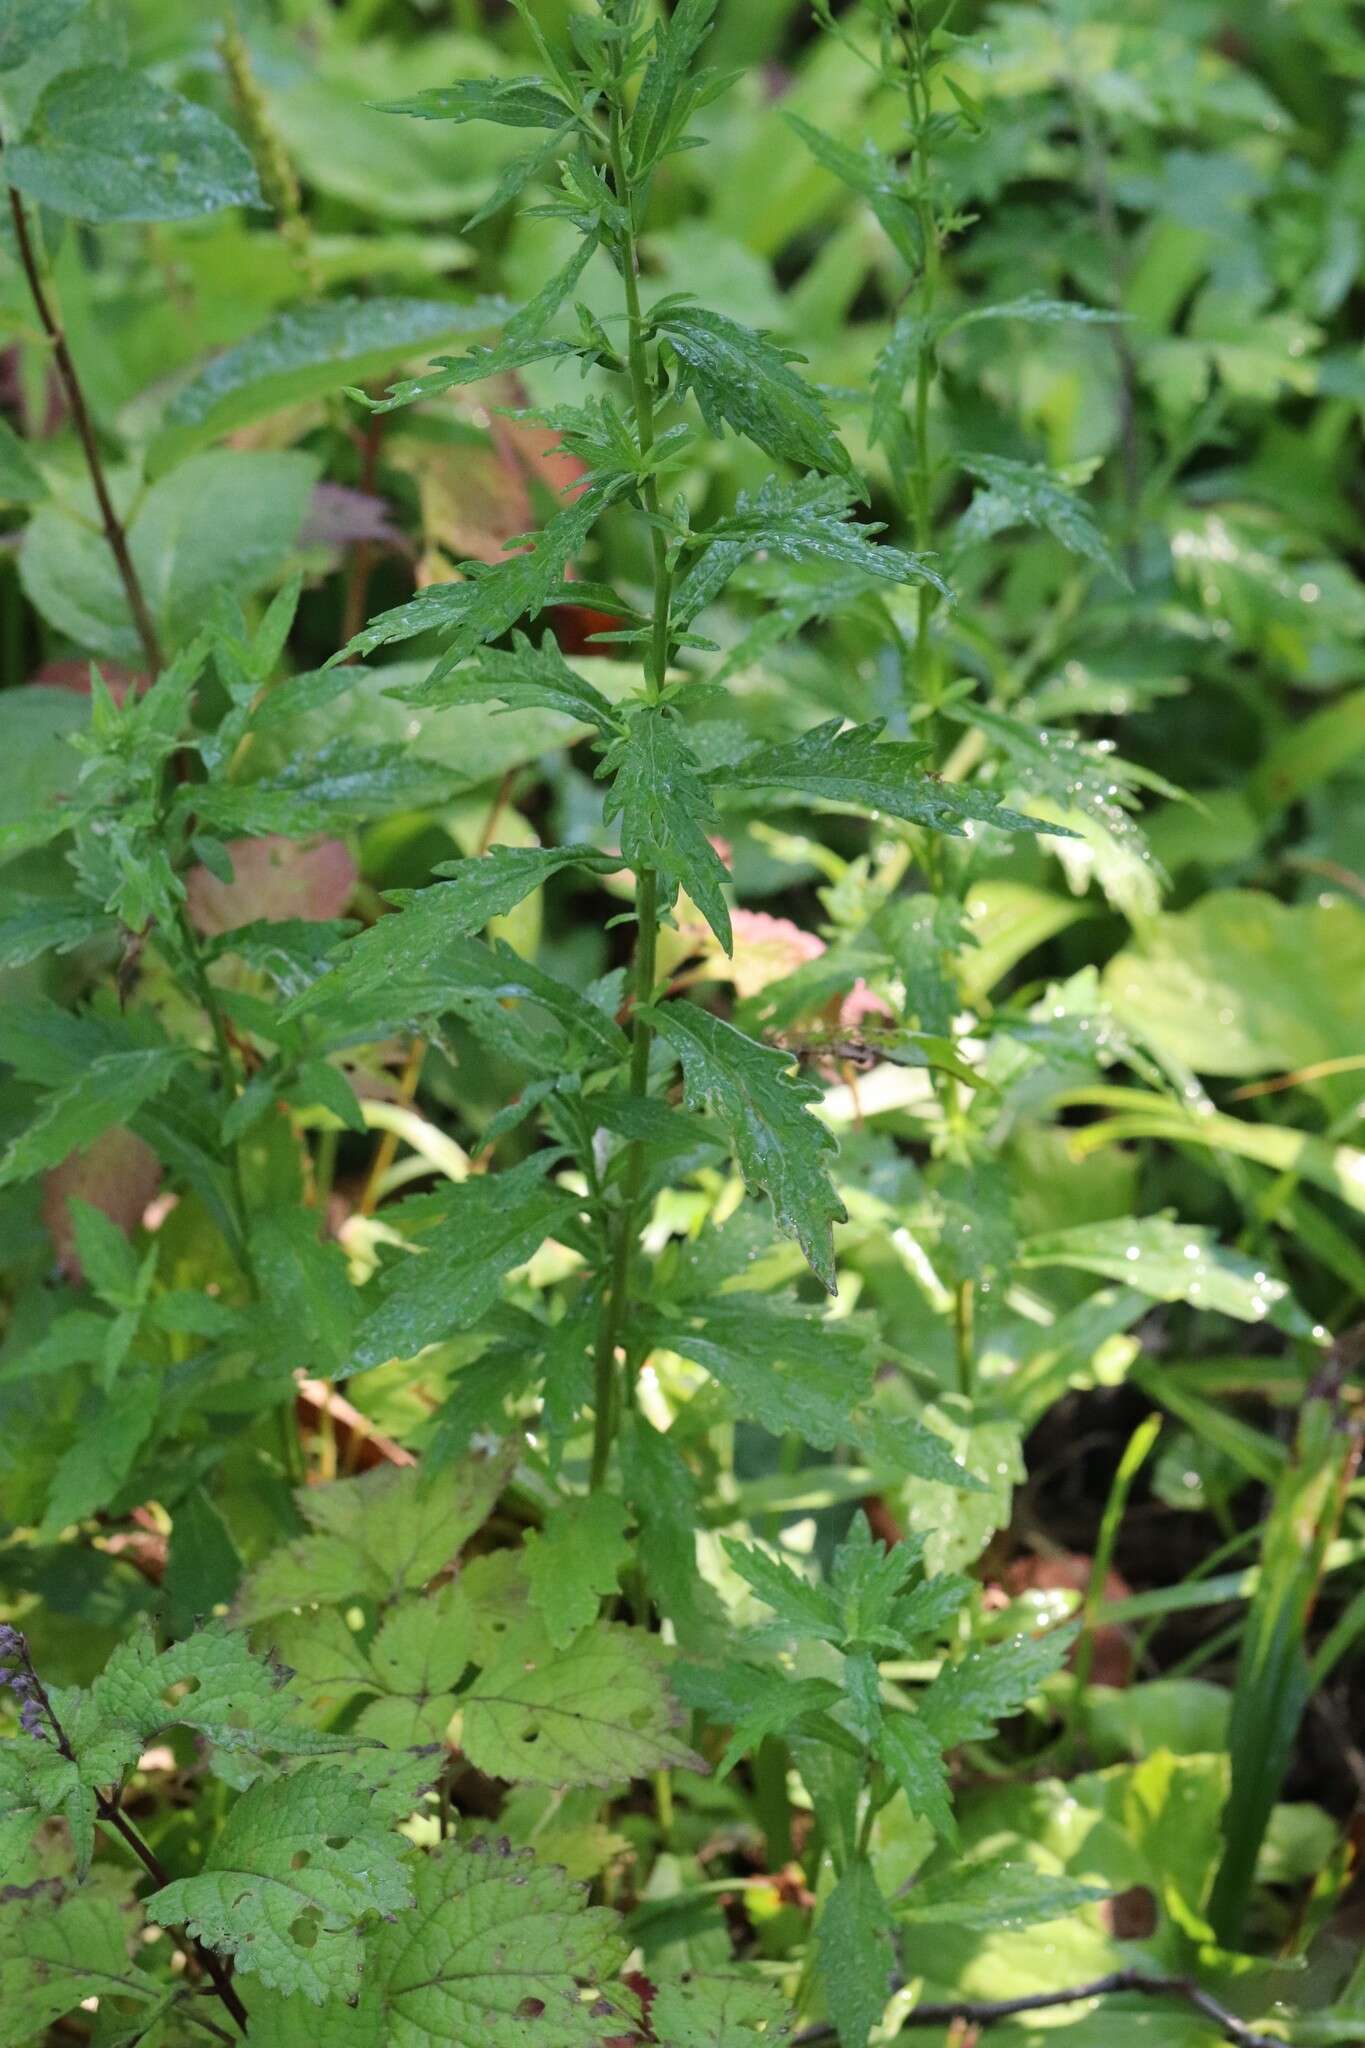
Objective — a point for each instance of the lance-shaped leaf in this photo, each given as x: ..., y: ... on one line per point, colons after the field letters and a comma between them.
x: 340, y: 784
x: 746, y: 382
x: 1023, y: 494
x: 856, y: 766
x: 967, y: 1699
x: 107, y: 144
x: 491, y: 599
x: 375, y: 1537
x: 57, y: 1950
x: 854, y: 1956
x: 913, y: 1756
x: 523, y: 677
x: 880, y: 181
x: 495, y: 1952
x: 784, y: 1366
x: 301, y: 1863
x: 507, y: 102
x: 1172, y: 1261
x: 596, y: 1714
x: 492, y: 1223
x: 752, y: 1090
x: 668, y: 96
x: 993, y: 1892
x: 666, y: 813
x: 807, y: 521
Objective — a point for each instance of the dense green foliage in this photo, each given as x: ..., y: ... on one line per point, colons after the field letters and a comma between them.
x: 683, y: 944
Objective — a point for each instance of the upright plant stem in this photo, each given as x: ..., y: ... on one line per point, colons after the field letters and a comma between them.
x: 625, y: 1228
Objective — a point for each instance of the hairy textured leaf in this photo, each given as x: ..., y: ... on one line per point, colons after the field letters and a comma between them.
x: 913, y: 1755
x: 493, y: 1938
x: 746, y: 382
x: 108, y: 145
x: 599, y: 1713
x: 666, y: 811
x: 764, y: 1106
x: 573, y: 1561
x: 301, y: 1862
x: 305, y: 352
x: 491, y: 1223
x: 854, y: 765
x: 231, y: 1696
x: 375, y: 1537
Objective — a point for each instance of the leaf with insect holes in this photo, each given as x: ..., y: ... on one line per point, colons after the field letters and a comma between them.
x: 494, y: 1945
x: 854, y: 1956
x: 805, y: 521
x: 719, y: 2009
x: 59, y: 1949
x: 1025, y: 494
x: 573, y: 1562
x: 407, y: 1674
x: 375, y: 1537
x: 300, y: 1865
x: 751, y: 1090
x: 234, y: 1698
x: 107, y: 144
x: 491, y: 1223
x: 855, y: 766
x: 522, y: 677
x: 666, y: 812
x: 746, y: 382
x: 491, y: 599
x: 598, y: 1713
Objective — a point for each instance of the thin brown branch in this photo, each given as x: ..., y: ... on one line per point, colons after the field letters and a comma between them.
x: 75, y: 397
x: 986, y: 2012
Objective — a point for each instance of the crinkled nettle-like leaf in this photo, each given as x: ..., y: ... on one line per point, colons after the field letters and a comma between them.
x: 1172, y: 1261
x: 491, y: 1223
x: 107, y: 144
x: 746, y: 382
x: 804, y: 521
x: 753, y: 1700
x: 1025, y: 494
x: 498, y: 1951
x: 993, y: 1892
x: 598, y: 1713
x: 854, y: 765
x: 211, y: 1682
x: 491, y: 599
x: 110, y: 1090
x: 854, y: 1956
x: 59, y: 1949
x: 301, y: 1863
x: 869, y: 1581
x: 666, y: 812
x: 803, y: 1608
x: 522, y: 677
x: 718, y: 2009
x: 484, y: 886
x: 385, y: 1533
x: 754, y: 1093
x: 573, y: 1562
x: 407, y: 1674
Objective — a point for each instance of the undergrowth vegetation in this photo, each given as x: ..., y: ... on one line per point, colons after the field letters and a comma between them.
x: 683, y: 945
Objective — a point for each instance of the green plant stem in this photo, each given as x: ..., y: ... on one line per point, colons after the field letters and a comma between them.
x: 616, y: 1304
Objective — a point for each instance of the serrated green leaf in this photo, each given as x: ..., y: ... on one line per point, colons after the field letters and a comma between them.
x: 913, y: 1756
x: 110, y: 1091
x: 809, y: 1610
x: 598, y: 1713
x: 508, y: 102
x: 308, y: 1307
x: 854, y: 765
x: 784, y: 1365
x: 854, y: 1956
x: 880, y: 181
x: 492, y: 1935
x: 231, y: 1696
x: 746, y: 382
x: 1041, y: 311
x: 666, y: 812
x: 573, y: 1562
x: 967, y: 1699
x: 305, y: 352
x: 110, y: 1431
x: 667, y: 96
x: 753, y: 1092
x: 521, y: 677
x: 109, y: 145
x: 1023, y: 494
x: 375, y: 1537
x: 730, y: 2009
x: 342, y: 784
x: 492, y: 1222
x: 755, y: 1701
x: 300, y: 1864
